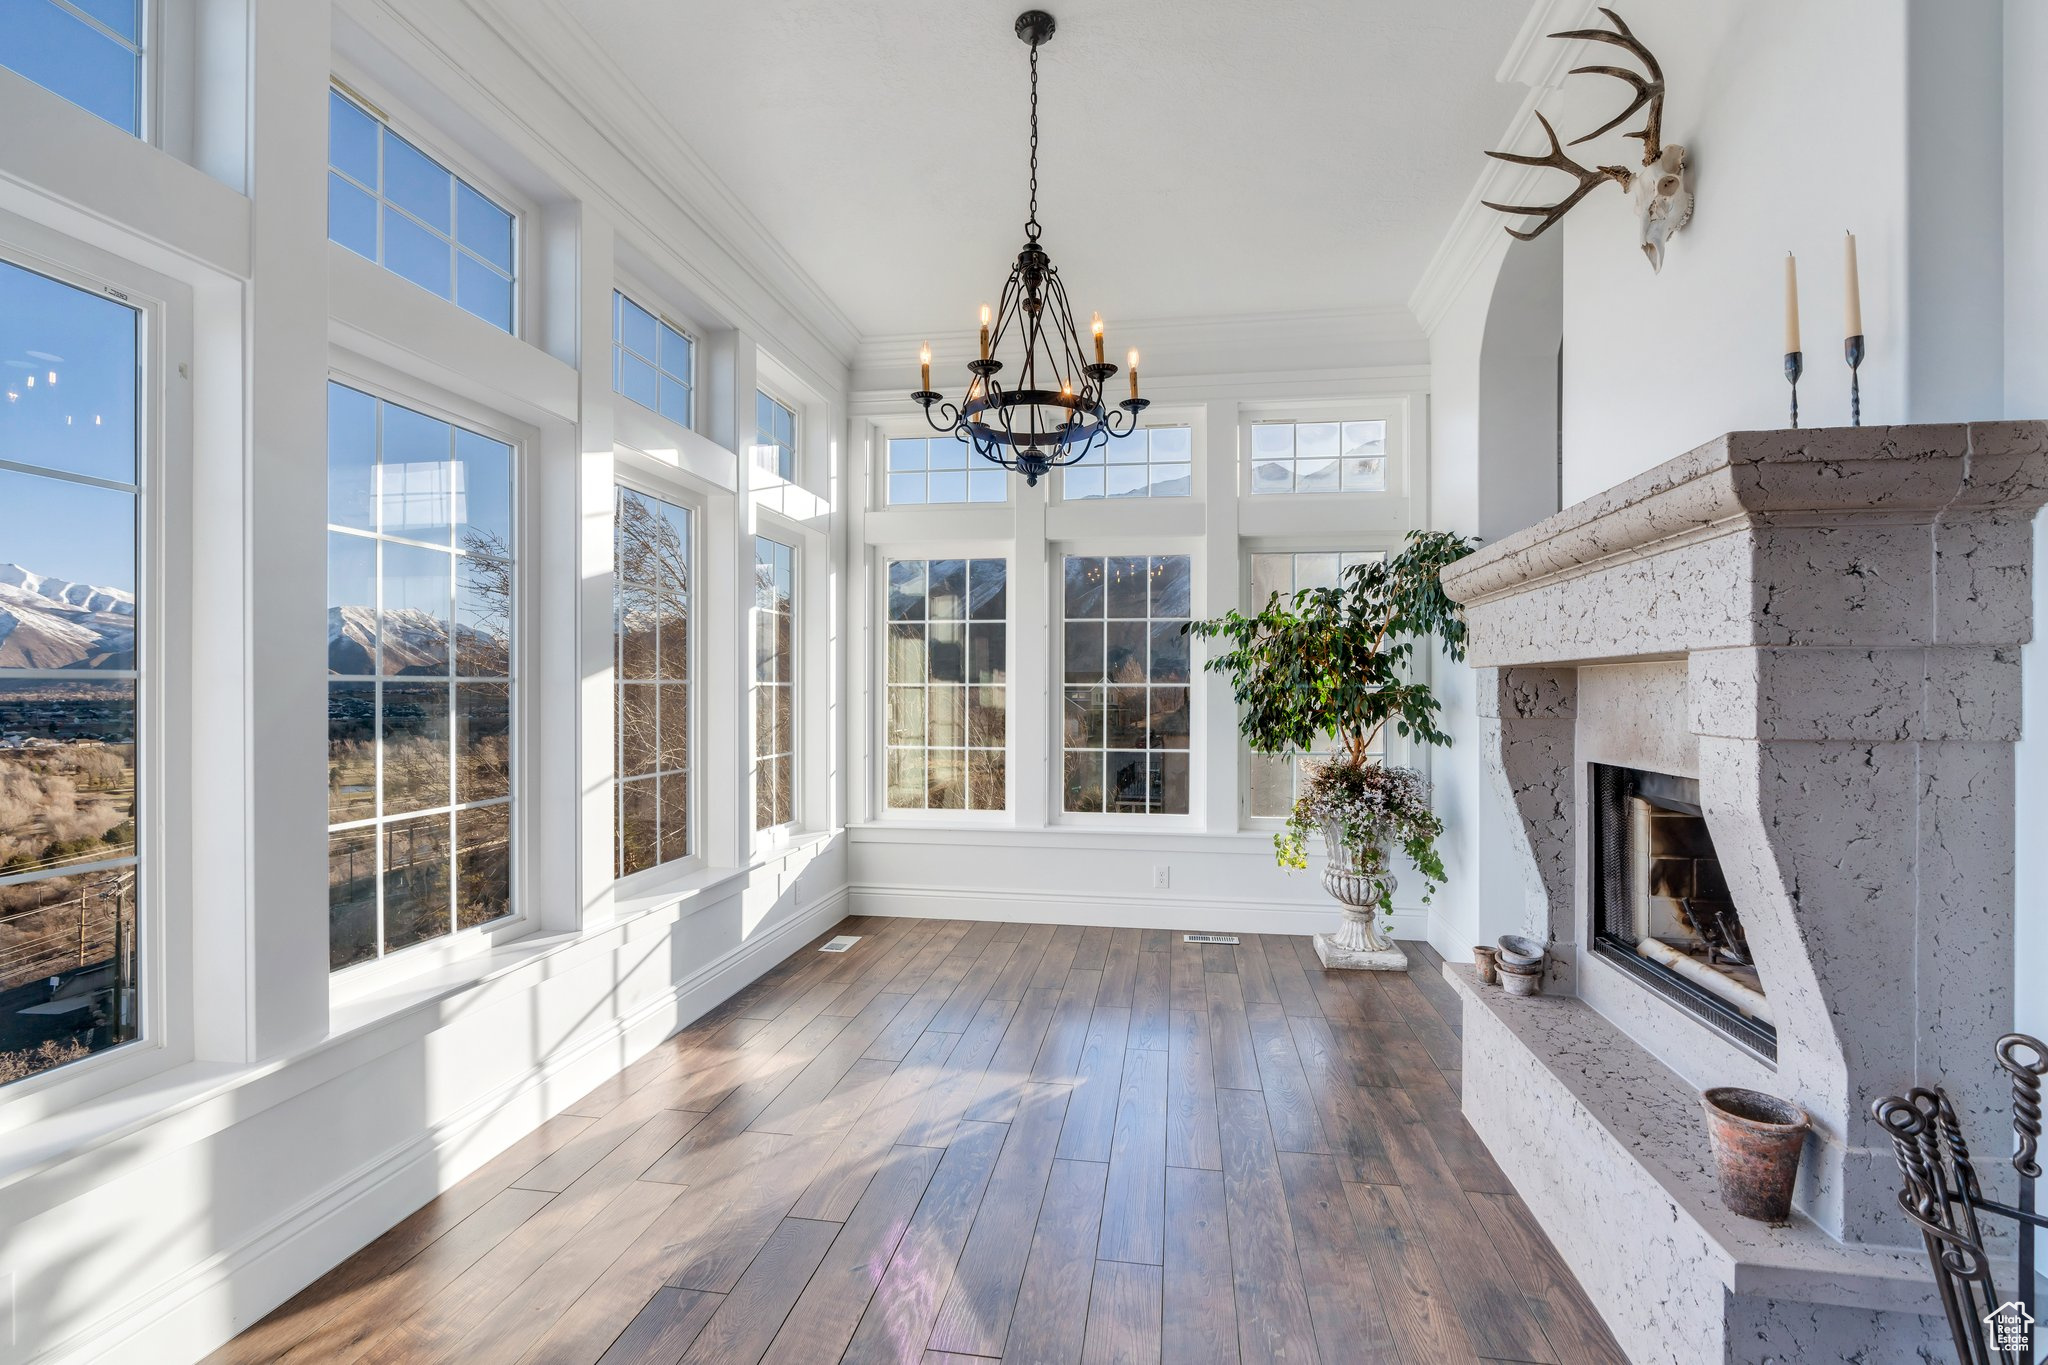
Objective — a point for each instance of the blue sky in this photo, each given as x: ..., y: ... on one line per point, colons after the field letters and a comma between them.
x: 82, y: 423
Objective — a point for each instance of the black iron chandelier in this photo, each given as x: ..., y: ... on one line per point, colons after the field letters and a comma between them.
x: 1059, y: 409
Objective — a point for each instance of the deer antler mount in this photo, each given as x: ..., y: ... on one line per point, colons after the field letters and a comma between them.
x: 1662, y: 188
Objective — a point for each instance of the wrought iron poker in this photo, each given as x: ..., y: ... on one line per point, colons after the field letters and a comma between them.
x: 1057, y: 408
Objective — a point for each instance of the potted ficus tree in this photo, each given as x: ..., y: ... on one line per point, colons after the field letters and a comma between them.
x: 1335, y: 664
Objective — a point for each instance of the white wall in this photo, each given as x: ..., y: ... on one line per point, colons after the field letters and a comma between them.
x: 158, y: 1199
x: 1917, y: 125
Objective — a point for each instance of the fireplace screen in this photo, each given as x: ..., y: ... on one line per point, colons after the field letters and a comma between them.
x: 1661, y: 909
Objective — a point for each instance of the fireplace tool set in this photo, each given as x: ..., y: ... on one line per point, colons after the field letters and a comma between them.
x: 1944, y: 1199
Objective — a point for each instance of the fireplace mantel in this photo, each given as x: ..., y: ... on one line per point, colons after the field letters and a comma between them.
x: 1823, y: 628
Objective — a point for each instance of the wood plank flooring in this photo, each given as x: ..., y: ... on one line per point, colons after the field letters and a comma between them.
x: 964, y: 1143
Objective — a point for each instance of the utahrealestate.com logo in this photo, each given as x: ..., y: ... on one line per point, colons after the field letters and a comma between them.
x: 2012, y: 1328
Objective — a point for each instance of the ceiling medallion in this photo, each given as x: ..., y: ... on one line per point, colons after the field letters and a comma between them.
x: 1059, y: 409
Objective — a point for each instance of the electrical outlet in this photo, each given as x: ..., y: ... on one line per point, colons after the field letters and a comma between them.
x: 1162, y: 876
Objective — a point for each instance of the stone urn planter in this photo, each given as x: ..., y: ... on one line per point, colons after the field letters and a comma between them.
x: 1360, y: 880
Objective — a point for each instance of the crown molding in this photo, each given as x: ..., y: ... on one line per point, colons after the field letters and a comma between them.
x: 1475, y: 240
x: 1347, y: 339
x: 747, y: 276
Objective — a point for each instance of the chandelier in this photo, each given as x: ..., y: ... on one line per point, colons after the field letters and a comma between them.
x: 1058, y: 410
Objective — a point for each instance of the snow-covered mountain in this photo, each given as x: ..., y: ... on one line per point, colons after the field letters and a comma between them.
x: 415, y: 643
x: 52, y: 623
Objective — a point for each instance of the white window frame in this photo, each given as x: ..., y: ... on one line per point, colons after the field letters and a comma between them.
x: 458, y: 944
x: 975, y: 464
x: 638, y: 297
x: 1393, y: 411
x: 378, y: 102
x: 684, y: 495
x: 1057, y: 553
x: 879, y: 559
x: 773, y: 394
x: 1100, y: 459
x: 1399, y: 752
x: 149, y: 118
x: 767, y: 836
x: 164, y: 837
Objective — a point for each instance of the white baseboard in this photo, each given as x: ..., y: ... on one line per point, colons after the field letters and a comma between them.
x: 203, y: 1307
x: 1116, y: 912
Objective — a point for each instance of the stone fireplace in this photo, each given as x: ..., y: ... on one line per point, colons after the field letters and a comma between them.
x: 1754, y: 713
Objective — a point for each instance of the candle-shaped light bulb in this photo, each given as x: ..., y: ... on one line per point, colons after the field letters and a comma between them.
x: 1852, y: 290
x: 1098, y: 338
x: 1791, y: 304
x: 924, y: 366
x: 1133, y: 358
x: 984, y: 331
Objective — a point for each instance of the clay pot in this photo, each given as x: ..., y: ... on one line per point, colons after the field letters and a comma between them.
x: 1517, y: 979
x: 1757, y: 1140
x: 1520, y: 951
x: 1484, y: 959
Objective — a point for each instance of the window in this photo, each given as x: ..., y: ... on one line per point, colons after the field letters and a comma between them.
x: 69, y: 688
x: 651, y: 628
x: 1275, y: 778
x: 88, y: 51
x: 391, y: 202
x: 419, y: 662
x: 651, y: 361
x: 1127, y: 683
x: 947, y: 684
x: 1319, y: 457
x: 935, y: 469
x: 775, y: 426
x: 774, y: 683
x: 1152, y: 462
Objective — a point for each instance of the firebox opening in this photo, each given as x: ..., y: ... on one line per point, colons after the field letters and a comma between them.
x: 1662, y: 911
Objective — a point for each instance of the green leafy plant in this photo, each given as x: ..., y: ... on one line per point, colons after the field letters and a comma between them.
x: 1338, y: 662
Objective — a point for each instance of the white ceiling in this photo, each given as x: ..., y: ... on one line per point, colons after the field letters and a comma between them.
x: 1198, y: 157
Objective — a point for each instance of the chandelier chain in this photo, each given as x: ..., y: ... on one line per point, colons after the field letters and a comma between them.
x: 1031, y: 223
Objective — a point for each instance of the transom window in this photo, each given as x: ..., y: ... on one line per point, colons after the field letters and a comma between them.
x: 1152, y: 462
x: 652, y: 362
x: 948, y: 690
x: 419, y: 661
x: 1319, y: 457
x: 1276, y: 778
x: 775, y: 434
x: 88, y: 51
x: 70, y: 492
x: 651, y: 634
x: 1126, y: 669
x: 391, y: 202
x: 774, y: 683
x: 941, y: 469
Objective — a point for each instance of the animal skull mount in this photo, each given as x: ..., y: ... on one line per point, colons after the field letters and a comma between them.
x: 1662, y: 188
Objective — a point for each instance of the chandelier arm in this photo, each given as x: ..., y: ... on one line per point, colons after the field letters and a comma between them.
x: 954, y: 421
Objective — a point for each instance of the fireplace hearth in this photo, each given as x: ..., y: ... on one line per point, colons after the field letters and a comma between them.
x: 1753, y: 713
x: 1662, y: 910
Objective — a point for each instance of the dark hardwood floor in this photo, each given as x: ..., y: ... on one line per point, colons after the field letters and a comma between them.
x: 964, y: 1142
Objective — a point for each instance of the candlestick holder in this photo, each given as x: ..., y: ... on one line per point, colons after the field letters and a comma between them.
x: 1852, y: 351
x: 1795, y: 365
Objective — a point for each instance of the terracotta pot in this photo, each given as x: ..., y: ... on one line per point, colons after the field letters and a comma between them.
x: 1757, y: 1140
x: 1521, y: 951
x: 1518, y: 980
x: 1484, y: 959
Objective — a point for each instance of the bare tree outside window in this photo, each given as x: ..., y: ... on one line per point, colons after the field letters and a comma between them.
x: 651, y: 641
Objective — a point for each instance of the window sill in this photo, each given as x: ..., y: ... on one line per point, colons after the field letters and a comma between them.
x: 1058, y: 835
x: 137, y: 1115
